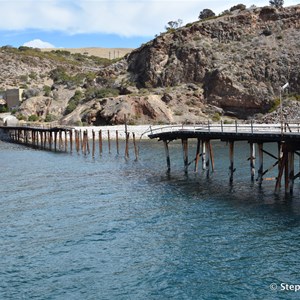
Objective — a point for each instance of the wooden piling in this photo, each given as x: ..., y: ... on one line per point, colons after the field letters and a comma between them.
x: 55, y: 141
x: 252, y: 160
x: 93, y: 149
x: 60, y: 140
x: 260, y: 163
x: 117, y: 142
x: 81, y: 139
x: 231, y: 158
x: 66, y: 140
x: 135, y: 147
x: 185, y: 154
x: 197, y: 155
x: 71, y: 140
x: 108, y: 141
x: 203, y: 147
x: 87, y: 141
x: 77, y: 146
x: 291, y: 171
x: 100, y: 142
x: 211, y: 155
x: 166, y: 145
x: 127, y: 145
x: 84, y: 143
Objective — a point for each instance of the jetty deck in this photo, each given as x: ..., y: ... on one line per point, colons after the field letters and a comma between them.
x: 287, y: 137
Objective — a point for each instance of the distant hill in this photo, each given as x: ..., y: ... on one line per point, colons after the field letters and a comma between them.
x: 110, y: 53
x: 219, y: 68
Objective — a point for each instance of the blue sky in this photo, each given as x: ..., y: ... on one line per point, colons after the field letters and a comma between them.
x: 98, y: 23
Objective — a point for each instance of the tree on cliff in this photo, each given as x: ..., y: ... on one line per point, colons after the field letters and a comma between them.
x: 206, y: 13
x: 173, y: 24
x: 276, y: 3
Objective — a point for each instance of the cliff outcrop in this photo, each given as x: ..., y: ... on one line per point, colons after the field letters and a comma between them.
x: 227, y: 66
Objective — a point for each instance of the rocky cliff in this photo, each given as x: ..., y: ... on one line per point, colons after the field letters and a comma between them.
x: 231, y: 65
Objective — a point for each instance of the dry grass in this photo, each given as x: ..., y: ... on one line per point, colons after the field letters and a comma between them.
x: 109, y: 53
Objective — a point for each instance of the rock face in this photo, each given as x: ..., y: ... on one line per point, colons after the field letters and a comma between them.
x: 240, y: 60
x: 231, y: 65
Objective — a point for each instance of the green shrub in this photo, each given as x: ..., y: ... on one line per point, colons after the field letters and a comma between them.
x: 3, y: 109
x: 47, y: 90
x: 33, y: 118
x: 92, y: 93
x: 216, y: 117
x: 275, y: 105
x: 50, y: 118
x: 73, y: 102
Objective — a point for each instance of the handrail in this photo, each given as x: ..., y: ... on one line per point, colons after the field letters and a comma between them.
x: 233, y: 127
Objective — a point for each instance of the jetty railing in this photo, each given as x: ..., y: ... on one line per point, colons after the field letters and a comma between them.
x: 229, y: 127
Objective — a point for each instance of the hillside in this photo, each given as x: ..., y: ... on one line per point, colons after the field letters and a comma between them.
x: 109, y: 53
x: 227, y: 66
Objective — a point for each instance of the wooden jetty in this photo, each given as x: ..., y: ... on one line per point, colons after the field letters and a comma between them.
x: 66, y: 139
x: 287, y: 137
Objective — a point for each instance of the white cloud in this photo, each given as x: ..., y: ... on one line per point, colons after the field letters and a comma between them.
x: 37, y: 43
x: 121, y: 17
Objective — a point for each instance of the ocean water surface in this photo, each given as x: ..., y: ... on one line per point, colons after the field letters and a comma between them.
x: 74, y: 227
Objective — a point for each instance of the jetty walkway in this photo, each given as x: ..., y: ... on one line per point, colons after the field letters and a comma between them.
x: 287, y: 137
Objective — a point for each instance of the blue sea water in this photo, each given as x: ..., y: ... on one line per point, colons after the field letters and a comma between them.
x: 74, y: 227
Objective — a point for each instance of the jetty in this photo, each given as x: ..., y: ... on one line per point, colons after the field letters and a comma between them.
x: 286, y: 136
x: 69, y: 139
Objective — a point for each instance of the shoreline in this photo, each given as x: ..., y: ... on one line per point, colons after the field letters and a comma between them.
x: 139, y: 131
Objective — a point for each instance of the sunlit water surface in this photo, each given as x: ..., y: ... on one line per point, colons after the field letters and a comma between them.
x: 74, y: 227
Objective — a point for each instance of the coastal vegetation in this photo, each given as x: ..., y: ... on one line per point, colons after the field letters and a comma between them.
x: 230, y: 65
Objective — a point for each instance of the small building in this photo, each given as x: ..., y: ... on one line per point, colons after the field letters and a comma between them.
x: 13, y: 97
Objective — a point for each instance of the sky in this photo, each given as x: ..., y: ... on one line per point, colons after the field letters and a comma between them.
x: 99, y: 23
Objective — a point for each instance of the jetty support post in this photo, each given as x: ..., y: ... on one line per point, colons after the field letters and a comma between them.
x: 66, y: 140
x: 100, y: 142
x: 260, y: 163
x: 211, y: 155
x: 185, y: 154
x: 282, y: 165
x: 252, y: 160
x: 71, y: 140
x: 117, y: 142
x: 231, y: 159
x: 197, y: 155
x: 127, y: 145
x: 108, y: 140
x: 136, y: 152
x: 87, y: 141
x: 203, y: 154
x: 55, y: 141
x: 291, y: 170
x: 166, y: 145
x: 93, y: 149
